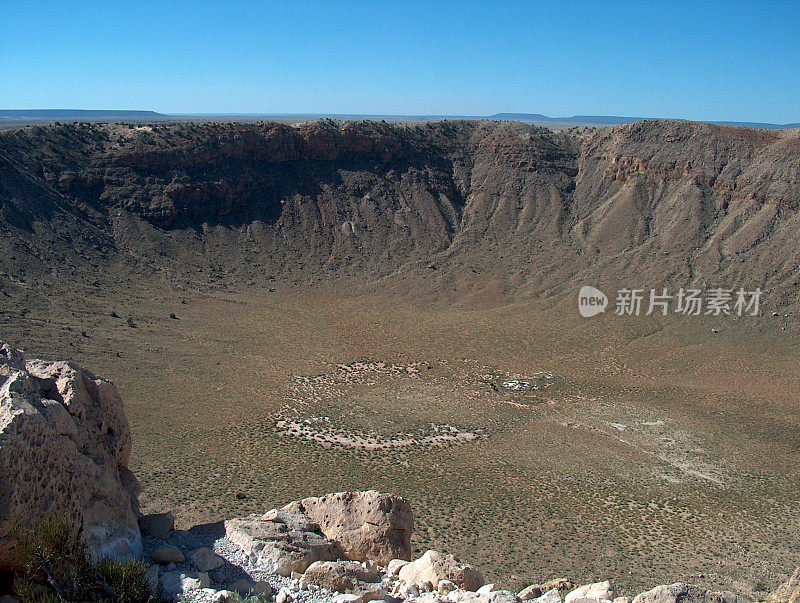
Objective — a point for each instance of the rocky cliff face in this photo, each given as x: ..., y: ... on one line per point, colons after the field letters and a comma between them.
x: 674, y: 202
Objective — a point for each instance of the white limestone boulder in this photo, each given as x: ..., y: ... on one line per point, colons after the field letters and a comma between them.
x: 64, y: 449
x: 367, y: 525
x: 434, y: 567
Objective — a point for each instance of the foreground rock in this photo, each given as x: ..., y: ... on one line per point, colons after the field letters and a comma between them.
x: 433, y: 567
x: 168, y: 554
x: 64, y: 449
x: 367, y: 525
x: 205, y: 560
x: 496, y: 596
x: 536, y: 592
x: 175, y: 584
x: 249, y: 587
x: 788, y: 592
x: 157, y: 525
x: 563, y: 585
x: 282, y: 542
x: 551, y: 596
x: 346, y: 577
x: 529, y: 593
x: 599, y: 592
x: 684, y: 593
x: 394, y: 567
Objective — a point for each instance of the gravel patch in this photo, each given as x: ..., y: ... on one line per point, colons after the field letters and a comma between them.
x: 238, y: 566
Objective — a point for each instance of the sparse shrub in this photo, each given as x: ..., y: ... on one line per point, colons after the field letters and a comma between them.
x: 30, y: 592
x: 172, y: 316
x: 57, y: 567
x: 130, y: 322
x: 52, y: 552
x: 114, y: 314
x: 127, y: 580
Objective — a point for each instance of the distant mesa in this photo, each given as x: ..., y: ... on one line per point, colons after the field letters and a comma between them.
x: 74, y: 114
x: 613, y: 120
x: 49, y: 115
x: 604, y: 120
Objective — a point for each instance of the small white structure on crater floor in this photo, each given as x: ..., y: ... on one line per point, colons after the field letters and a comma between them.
x: 518, y: 384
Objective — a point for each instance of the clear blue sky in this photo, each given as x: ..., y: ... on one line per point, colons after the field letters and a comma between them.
x: 694, y: 60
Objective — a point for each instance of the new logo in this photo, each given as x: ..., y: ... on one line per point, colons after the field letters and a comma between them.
x: 591, y: 301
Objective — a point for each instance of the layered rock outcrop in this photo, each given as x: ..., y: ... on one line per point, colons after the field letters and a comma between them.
x: 367, y: 525
x: 64, y: 449
x: 356, y: 526
x: 281, y: 542
x: 684, y: 593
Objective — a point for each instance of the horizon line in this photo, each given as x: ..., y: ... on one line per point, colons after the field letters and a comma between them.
x: 594, y: 119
